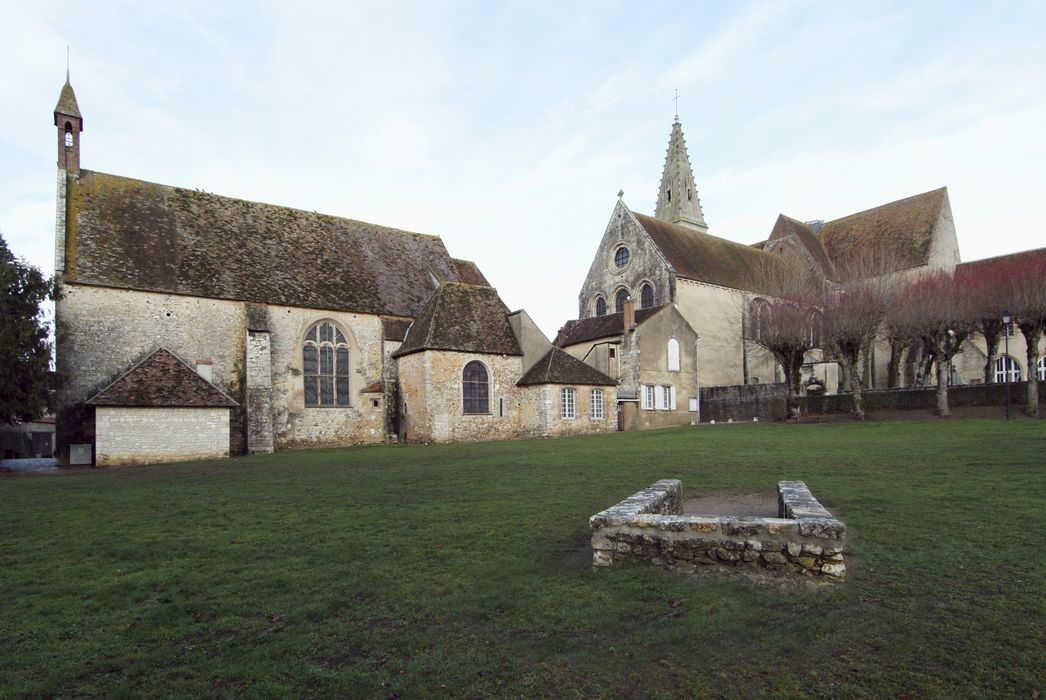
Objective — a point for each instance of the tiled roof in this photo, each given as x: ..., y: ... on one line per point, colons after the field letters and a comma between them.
x: 706, y: 258
x: 395, y: 328
x: 465, y: 318
x: 801, y: 233
x: 67, y: 105
x: 468, y: 272
x: 583, y: 330
x: 139, y: 235
x: 1001, y: 262
x: 559, y: 367
x: 903, y: 230
x: 161, y: 380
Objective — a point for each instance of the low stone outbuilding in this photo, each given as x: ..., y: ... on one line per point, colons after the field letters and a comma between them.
x: 161, y: 410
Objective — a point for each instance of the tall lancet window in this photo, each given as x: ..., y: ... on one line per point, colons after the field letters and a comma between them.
x: 325, y: 366
x: 68, y: 135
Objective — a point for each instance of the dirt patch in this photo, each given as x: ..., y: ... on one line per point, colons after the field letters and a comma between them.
x: 762, y: 505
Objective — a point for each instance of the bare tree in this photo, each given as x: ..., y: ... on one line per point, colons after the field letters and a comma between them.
x: 987, y: 286
x: 787, y: 321
x: 935, y: 310
x: 1024, y: 289
x: 854, y: 311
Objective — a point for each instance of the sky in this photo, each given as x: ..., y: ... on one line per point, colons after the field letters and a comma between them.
x: 507, y: 128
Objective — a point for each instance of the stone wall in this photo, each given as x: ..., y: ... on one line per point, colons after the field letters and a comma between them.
x: 148, y: 435
x: 743, y: 402
x: 649, y: 528
x: 920, y: 399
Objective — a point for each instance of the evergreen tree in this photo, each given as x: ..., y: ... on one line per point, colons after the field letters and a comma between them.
x: 26, y: 379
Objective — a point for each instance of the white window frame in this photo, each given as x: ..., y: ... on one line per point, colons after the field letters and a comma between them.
x: 597, y: 409
x: 693, y: 404
x: 1001, y: 369
x: 673, y: 355
x: 648, y: 397
x: 1042, y: 369
x: 568, y: 403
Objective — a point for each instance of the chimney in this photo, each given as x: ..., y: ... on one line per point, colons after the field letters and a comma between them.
x: 630, y: 314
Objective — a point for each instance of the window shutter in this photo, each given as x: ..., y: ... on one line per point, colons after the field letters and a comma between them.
x: 672, y: 401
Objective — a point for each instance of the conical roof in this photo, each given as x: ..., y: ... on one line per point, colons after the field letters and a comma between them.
x: 677, y: 200
x: 67, y: 105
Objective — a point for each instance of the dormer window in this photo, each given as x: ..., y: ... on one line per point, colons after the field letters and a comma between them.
x: 68, y: 135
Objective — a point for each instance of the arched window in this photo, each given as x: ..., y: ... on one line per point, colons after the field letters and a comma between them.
x: 621, y: 256
x: 646, y: 297
x: 1004, y: 364
x: 325, y: 366
x: 758, y: 317
x: 816, y: 329
x: 673, y: 355
x: 1042, y: 369
x: 475, y: 388
x: 68, y: 135
x: 619, y: 300
x: 601, y: 306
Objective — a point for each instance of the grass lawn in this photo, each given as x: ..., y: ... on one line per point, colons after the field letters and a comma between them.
x: 452, y: 570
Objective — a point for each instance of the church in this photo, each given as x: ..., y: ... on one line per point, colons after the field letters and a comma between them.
x: 191, y: 325
x: 644, y: 263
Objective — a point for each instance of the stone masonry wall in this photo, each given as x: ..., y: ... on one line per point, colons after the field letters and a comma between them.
x: 149, y: 435
x: 649, y: 528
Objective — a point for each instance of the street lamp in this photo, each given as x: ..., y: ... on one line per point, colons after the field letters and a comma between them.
x: 1006, y: 362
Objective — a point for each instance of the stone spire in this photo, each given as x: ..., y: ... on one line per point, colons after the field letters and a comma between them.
x: 677, y: 202
x: 70, y: 123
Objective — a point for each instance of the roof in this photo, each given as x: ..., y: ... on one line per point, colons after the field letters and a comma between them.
x: 139, y: 235
x: 464, y: 318
x: 559, y: 367
x: 787, y: 227
x: 395, y: 329
x: 161, y: 380
x: 468, y: 272
x: 903, y: 230
x: 703, y: 257
x: 583, y: 330
x: 1002, y: 263
x: 67, y: 105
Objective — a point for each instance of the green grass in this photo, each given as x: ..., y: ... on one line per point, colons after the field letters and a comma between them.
x: 448, y: 571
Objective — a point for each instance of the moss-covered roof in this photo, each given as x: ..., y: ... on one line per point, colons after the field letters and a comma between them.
x: 584, y: 330
x: 139, y: 235
x: 161, y: 380
x: 559, y: 367
x: 67, y: 105
x: 464, y: 318
x: 395, y: 328
x: 803, y: 235
x: 705, y: 258
x: 902, y: 230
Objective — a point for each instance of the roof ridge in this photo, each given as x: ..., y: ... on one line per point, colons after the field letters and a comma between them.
x: 888, y: 204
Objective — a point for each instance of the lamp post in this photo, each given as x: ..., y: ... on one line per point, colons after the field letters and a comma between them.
x: 1006, y: 362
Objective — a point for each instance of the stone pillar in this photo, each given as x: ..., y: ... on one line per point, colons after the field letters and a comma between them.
x: 259, y: 381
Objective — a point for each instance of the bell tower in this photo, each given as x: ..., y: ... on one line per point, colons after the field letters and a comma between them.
x: 677, y: 201
x: 69, y: 122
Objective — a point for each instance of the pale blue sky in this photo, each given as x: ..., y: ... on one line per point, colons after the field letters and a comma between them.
x: 508, y: 128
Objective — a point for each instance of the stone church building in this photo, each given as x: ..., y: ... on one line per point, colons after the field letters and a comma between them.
x: 191, y: 325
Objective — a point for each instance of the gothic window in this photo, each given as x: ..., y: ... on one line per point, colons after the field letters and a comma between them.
x: 1006, y: 365
x: 620, y: 299
x: 475, y: 388
x: 646, y: 297
x: 621, y: 256
x: 688, y: 197
x: 568, y: 403
x: 670, y: 195
x: 601, y: 306
x: 325, y: 366
x: 598, y: 410
x: 673, y: 355
x: 758, y: 317
x: 68, y: 135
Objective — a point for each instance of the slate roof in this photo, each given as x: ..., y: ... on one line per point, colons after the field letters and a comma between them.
x: 583, y: 330
x: 161, y: 380
x: 465, y: 318
x: 395, y: 328
x: 904, y: 229
x: 706, y: 258
x: 559, y: 367
x: 133, y: 234
x: 787, y: 227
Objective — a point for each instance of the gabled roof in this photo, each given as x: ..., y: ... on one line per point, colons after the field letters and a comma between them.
x: 584, y: 330
x: 465, y: 318
x: 139, y: 235
x: 902, y: 230
x: 788, y: 228
x: 1002, y: 262
x: 161, y: 380
x: 67, y: 105
x: 559, y: 367
x: 703, y: 257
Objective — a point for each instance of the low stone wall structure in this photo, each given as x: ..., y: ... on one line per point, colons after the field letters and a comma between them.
x: 649, y: 528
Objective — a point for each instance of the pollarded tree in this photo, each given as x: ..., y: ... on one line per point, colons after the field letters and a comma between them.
x: 25, y: 349
x: 1025, y: 290
x: 787, y: 321
x: 935, y: 310
x: 987, y: 289
x: 854, y: 311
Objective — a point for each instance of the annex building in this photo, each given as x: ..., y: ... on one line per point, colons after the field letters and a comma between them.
x: 191, y: 325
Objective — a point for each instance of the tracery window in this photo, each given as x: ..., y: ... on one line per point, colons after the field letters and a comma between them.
x: 325, y: 366
x: 601, y: 306
x: 475, y: 388
x: 619, y: 300
x: 646, y: 297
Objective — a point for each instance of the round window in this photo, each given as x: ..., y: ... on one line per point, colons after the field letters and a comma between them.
x: 621, y: 256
